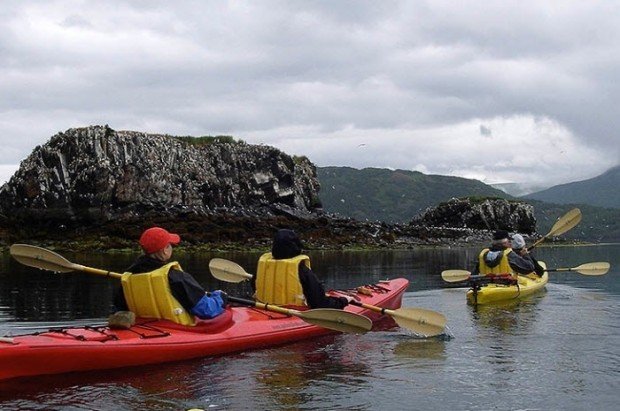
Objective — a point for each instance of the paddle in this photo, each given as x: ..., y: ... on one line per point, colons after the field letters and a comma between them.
x: 338, y: 320
x: 229, y: 271
x: 45, y: 259
x: 598, y: 268
x: 324, y: 317
x: 564, y: 223
x: 419, y: 320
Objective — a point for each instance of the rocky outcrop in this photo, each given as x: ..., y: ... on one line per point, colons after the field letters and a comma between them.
x: 96, y: 174
x: 96, y: 188
x: 480, y: 214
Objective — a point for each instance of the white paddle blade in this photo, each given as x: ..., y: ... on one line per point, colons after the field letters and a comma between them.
x: 566, y: 222
x: 228, y: 271
x: 42, y: 258
x: 420, y: 320
x: 454, y: 276
x: 598, y: 268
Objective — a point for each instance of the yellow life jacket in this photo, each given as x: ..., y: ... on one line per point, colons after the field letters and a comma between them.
x: 502, y: 268
x: 277, y: 281
x: 148, y: 295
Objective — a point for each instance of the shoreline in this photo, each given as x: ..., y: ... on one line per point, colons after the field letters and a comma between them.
x: 310, y: 247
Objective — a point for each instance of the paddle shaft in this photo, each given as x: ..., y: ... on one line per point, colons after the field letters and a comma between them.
x: 264, y: 306
x: 330, y: 318
x: 97, y: 271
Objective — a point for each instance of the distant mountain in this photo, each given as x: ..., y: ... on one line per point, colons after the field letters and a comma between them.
x: 601, y: 191
x: 391, y: 195
x: 398, y: 196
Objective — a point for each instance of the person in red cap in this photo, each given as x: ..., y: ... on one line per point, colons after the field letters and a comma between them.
x: 157, y: 243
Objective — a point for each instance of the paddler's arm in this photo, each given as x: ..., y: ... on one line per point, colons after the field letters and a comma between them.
x: 315, y: 292
x: 193, y: 297
x: 521, y: 264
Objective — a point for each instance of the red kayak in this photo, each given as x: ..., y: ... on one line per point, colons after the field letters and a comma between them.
x: 157, y: 341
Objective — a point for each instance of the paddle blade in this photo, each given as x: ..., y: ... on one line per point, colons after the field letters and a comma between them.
x: 565, y: 223
x: 225, y: 270
x: 42, y: 258
x: 420, y: 320
x: 454, y: 276
x: 598, y: 268
x: 338, y: 320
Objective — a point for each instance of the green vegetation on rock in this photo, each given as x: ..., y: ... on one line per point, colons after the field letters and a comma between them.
x: 206, y: 140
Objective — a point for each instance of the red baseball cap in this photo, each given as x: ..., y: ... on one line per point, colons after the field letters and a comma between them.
x: 156, y: 238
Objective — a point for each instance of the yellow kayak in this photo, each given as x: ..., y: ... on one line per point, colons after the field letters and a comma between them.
x: 526, y: 285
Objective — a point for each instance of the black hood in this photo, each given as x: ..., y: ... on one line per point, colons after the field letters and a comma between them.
x: 286, y: 244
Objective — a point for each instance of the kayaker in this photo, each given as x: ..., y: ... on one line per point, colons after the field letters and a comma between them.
x: 499, y: 258
x: 284, y: 276
x: 518, y: 246
x: 157, y: 243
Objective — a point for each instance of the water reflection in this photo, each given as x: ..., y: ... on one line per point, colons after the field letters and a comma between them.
x: 510, y: 318
x: 291, y: 372
x: 434, y: 349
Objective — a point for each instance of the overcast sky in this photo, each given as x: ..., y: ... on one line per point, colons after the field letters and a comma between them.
x: 506, y: 91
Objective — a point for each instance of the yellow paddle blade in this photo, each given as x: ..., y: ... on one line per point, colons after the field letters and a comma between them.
x: 419, y: 320
x: 454, y: 276
x: 42, y: 258
x: 228, y: 271
x: 565, y: 223
x: 598, y: 268
x: 338, y: 320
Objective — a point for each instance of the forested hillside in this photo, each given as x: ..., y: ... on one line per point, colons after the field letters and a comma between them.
x: 398, y: 196
x: 600, y: 191
x: 391, y: 195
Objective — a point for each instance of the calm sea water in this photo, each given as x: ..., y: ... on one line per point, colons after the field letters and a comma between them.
x: 557, y: 350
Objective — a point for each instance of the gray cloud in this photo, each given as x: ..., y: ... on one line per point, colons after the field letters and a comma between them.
x: 321, y: 78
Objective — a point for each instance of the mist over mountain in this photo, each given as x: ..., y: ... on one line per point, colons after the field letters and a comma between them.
x: 600, y: 191
x: 518, y: 189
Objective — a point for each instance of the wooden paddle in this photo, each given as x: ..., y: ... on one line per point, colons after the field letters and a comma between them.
x: 598, y: 268
x: 323, y: 317
x: 419, y: 320
x: 338, y: 320
x: 564, y: 223
x: 45, y: 259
